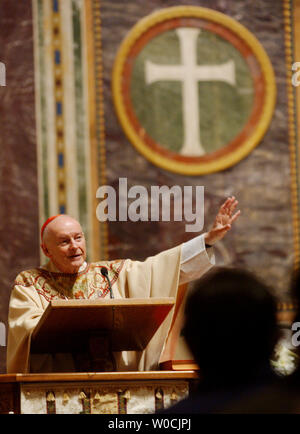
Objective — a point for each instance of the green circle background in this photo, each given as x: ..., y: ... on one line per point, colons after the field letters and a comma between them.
x: 223, y: 109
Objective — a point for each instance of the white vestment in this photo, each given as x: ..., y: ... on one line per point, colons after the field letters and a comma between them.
x: 158, y: 276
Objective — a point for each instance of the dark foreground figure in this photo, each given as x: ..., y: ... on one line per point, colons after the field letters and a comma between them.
x: 231, y: 329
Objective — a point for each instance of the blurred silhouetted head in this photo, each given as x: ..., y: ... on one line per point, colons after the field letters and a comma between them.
x: 230, y: 325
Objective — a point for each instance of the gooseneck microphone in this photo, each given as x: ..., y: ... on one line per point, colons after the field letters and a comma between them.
x: 104, y: 273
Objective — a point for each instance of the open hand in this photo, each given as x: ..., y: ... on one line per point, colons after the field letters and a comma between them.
x: 223, y: 221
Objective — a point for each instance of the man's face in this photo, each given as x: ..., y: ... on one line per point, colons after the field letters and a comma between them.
x: 64, y: 244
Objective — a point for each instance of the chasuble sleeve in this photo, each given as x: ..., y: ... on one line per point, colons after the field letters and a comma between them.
x: 160, y: 276
x: 196, y: 260
x: 25, y: 310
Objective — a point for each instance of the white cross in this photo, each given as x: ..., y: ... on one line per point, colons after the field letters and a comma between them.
x: 189, y: 73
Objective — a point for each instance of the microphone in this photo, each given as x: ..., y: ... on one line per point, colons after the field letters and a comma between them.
x: 104, y: 273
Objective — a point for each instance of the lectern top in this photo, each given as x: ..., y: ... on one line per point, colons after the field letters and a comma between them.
x: 131, y: 323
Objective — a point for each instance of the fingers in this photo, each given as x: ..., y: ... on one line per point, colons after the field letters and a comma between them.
x: 235, y: 216
x: 225, y: 205
x: 228, y: 225
x: 233, y: 205
x: 225, y: 218
x: 229, y: 205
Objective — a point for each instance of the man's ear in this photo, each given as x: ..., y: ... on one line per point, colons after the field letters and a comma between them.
x: 45, y: 250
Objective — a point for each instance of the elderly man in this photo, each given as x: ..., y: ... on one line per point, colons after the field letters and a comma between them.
x: 67, y: 276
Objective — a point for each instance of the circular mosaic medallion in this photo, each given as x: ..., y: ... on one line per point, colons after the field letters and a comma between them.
x: 193, y: 89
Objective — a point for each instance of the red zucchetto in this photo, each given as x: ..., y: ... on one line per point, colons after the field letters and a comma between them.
x: 49, y: 220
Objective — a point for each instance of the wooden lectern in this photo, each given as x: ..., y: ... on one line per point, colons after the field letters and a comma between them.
x: 97, y: 328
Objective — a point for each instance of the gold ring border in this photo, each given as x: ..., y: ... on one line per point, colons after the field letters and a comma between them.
x: 193, y: 11
x: 290, y: 43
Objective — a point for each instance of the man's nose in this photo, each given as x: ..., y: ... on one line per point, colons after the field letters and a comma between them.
x: 73, y: 244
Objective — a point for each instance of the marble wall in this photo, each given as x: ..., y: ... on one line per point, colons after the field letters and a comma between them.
x: 18, y: 168
x: 262, y: 238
